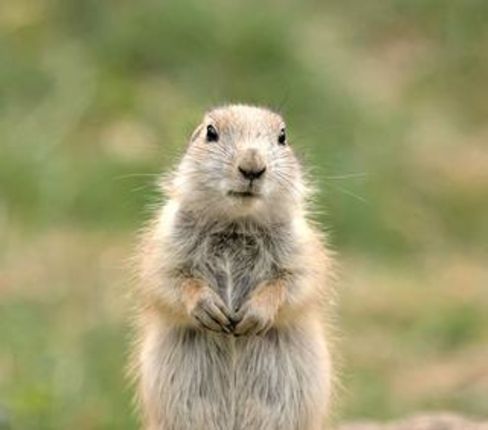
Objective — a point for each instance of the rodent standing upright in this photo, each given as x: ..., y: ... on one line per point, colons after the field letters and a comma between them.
x: 232, y: 285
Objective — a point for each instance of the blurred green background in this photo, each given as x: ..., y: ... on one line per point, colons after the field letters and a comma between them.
x: 388, y: 102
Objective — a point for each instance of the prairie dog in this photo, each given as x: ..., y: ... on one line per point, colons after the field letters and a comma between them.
x: 232, y: 285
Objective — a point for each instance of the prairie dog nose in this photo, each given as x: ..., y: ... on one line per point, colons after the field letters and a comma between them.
x: 252, y: 165
x: 252, y: 174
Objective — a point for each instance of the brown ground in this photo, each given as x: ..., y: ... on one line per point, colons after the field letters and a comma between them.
x: 440, y: 421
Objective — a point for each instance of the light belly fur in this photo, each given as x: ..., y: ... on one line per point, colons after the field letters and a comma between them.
x: 208, y: 381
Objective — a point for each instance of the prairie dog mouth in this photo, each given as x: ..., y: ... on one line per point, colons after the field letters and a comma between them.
x: 242, y: 194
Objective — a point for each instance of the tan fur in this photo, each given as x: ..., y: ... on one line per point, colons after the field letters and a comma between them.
x: 233, y: 290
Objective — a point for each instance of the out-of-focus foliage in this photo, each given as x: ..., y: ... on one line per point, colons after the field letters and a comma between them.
x: 386, y: 100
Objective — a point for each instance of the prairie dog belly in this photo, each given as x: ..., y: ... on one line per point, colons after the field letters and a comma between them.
x: 234, y: 280
x: 210, y: 381
x: 234, y: 263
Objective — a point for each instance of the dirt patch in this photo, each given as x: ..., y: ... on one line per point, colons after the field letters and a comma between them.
x: 441, y: 421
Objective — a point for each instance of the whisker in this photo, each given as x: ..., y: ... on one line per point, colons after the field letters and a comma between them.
x: 346, y: 176
x: 351, y: 194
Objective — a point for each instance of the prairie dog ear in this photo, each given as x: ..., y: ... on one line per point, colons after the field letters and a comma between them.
x: 196, y: 133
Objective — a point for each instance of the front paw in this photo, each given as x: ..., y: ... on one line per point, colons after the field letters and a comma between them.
x: 258, y: 314
x: 252, y: 319
x: 208, y: 311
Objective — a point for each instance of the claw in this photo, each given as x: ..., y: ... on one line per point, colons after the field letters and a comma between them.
x: 210, y: 313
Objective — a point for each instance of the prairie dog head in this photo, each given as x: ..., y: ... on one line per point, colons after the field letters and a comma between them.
x: 239, y: 164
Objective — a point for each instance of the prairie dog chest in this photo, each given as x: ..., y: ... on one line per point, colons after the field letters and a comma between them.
x: 235, y: 258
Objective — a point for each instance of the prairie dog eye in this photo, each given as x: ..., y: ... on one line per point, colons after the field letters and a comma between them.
x: 212, y: 135
x: 282, y: 137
